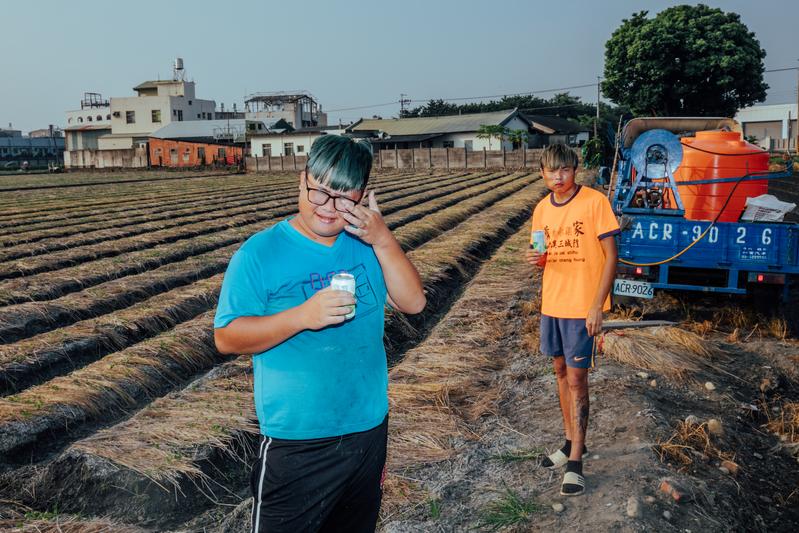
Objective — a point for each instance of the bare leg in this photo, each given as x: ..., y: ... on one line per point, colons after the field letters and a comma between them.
x: 559, y: 363
x: 578, y: 390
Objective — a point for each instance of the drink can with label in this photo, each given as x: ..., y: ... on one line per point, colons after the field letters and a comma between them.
x: 344, y: 281
x: 538, y: 241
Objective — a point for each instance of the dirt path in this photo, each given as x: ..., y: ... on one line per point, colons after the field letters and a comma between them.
x: 630, y: 416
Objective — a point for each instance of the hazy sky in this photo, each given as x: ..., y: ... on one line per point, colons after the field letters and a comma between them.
x: 348, y: 53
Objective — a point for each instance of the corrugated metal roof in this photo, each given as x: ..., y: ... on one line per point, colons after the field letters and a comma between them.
x: 197, y: 128
x: 435, y: 125
x: 193, y: 129
x: 549, y: 124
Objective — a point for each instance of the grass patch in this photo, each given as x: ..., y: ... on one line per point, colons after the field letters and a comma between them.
x: 510, y: 509
x: 516, y: 456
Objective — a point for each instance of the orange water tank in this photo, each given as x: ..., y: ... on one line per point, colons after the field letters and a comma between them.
x: 719, y: 154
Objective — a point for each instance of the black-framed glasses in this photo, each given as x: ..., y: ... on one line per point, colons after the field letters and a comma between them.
x: 320, y: 197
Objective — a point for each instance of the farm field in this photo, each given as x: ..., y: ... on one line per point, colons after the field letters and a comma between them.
x: 117, y: 413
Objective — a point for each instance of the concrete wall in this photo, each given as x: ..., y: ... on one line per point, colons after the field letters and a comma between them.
x: 132, y: 158
x: 275, y: 164
x: 456, y: 158
x: 114, y: 143
x: 761, y: 130
x: 769, y: 113
x: 85, y: 117
x: 84, y: 139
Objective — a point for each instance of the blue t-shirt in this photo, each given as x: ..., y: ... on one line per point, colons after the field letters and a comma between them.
x: 317, y: 383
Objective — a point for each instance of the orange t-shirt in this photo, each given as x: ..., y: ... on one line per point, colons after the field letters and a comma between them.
x: 574, y: 254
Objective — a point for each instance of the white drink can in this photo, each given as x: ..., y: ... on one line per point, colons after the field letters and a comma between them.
x: 538, y: 241
x: 344, y: 281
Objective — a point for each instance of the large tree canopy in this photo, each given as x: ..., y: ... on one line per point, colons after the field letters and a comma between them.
x: 686, y: 61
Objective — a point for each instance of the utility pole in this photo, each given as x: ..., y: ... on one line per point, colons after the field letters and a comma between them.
x: 596, y: 122
x: 403, y: 101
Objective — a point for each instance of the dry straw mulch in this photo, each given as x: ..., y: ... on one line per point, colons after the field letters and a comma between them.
x: 450, y: 379
x: 671, y: 351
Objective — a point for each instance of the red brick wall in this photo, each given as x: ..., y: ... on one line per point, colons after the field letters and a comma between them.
x: 186, y: 154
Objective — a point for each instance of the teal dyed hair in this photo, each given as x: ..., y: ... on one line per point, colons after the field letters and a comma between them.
x: 341, y: 163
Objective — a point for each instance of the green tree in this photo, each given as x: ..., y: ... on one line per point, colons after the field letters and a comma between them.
x: 487, y: 131
x: 518, y: 138
x: 686, y: 61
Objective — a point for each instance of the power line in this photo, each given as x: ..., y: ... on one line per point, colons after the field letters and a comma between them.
x: 529, y: 93
x: 461, y: 98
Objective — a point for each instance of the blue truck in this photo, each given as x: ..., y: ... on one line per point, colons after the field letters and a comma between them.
x: 659, y: 248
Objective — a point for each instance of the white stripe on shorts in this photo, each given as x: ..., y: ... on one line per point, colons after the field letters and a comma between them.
x: 257, y: 500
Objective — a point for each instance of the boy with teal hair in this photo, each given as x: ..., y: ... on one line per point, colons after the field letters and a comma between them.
x: 320, y: 378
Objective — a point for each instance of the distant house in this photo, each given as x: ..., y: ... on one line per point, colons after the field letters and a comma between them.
x: 287, y: 141
x: 454, y: 131
x: 773, y: 126
x: 546, y: 130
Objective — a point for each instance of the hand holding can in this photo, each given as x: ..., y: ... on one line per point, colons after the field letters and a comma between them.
x: 538, y: 241
x: 344, y: 281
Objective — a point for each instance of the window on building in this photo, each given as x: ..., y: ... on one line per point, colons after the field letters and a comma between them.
x: 173, y: 156
x: 156, y: 115
x: 130, y: 117
x: 260, y: 126
x: 189, y: 102
x: 198, y: 115
x: 69, y: 121
x: 300, y: 148
x: 80, y: 119
x: 448, y: 144
x: 468, y: 145
x: 186, y: 155
x: 99, y: 118
x: 157, y: 151
x: 221, y: 154
x: 174, y: 112
x: 288, y: 148
x: 180, y: 115
x: 266, y: 150
x: 108, y: 116
x: 201, y: 154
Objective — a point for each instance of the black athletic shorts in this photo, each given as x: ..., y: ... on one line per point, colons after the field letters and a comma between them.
x: 330, y: 484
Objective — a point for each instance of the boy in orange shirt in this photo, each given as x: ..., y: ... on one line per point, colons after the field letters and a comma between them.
x: 579, y: 266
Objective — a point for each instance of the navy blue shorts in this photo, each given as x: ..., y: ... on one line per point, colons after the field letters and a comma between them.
x: 567, y: 337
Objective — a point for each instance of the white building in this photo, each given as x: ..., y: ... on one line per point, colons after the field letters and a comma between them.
x: 87, y: 124
x: 299, y: 109
x: 279, y: 142
x: 126, y: 122
x: 156, y: 104
x: 767, y: 123
x: 454, y: 131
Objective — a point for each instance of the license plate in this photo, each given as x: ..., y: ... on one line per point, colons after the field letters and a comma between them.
x: 636, y: 289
